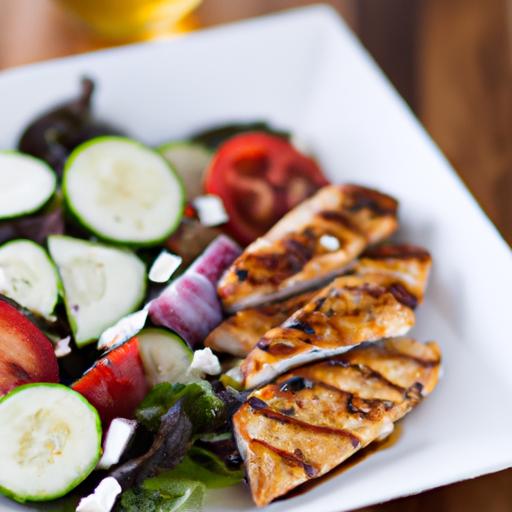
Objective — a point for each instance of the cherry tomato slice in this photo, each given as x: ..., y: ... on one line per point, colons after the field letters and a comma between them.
x: 260, y: 177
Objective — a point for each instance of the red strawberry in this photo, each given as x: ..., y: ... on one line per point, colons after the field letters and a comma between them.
x: 26, y: 354
x: 116, y: 384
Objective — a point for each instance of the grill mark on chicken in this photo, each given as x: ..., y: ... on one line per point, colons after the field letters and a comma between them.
x: 263, y: 344
x: 241, y: 274
x: 256, y: 403
x: 300, y: 326
x: 366, y: 372
x: 402, y: 295
x: 292, y: 459
x: 401, y: 251
x: 396, y: 289
x: 319, y: 303
x: 415, y: 392
x: 372, y: 289
x: 294, y: 384
x: 339, y: 217
x: 361, y: 406
x: 279, y: 348
x: 274, y: 267
x: 360, y: 198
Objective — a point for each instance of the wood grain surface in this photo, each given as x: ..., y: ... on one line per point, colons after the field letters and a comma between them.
x: 450, y: 59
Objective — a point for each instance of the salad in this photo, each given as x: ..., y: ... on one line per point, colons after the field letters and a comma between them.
x: 192, y: 316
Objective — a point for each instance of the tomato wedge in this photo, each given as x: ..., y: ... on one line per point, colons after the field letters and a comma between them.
x: 260, y: 177
x: 116, y: 384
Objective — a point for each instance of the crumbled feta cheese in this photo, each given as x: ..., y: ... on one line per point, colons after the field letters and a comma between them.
x: 103, y: 497
x: 331, y: 243
x: 210, y: 210
x: 205, y: 362
x: 62, y: 347
x: 117, y: 438
x: 164, y: 267
x: 123, y: 330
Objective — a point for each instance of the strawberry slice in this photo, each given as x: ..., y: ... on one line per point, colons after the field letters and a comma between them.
x: 116, y: 384
x: 26, y: 354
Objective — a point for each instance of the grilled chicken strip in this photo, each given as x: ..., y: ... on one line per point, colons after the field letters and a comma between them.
x: 239, y: 333
x: 310, y: 244
x: 314, y: 418
x: 407, y: 264
x: 377, y: 302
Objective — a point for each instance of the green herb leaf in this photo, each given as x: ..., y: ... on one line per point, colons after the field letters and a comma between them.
x: 203, y: 407
x: 160, y: 494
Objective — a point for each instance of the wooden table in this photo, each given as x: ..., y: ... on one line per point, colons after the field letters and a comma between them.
x: 450, y: 59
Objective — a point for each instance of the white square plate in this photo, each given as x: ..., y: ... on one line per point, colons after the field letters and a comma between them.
x: 305, y: 71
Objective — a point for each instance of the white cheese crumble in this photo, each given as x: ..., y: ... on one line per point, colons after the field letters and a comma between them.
x: 103, y: 497
x: 117, y: 438
x: 205, y: 362
x: 164, y: 267
x: 62, y: 347
x: 123, y: 330
x: 210, y: 210
x: 329, y: 242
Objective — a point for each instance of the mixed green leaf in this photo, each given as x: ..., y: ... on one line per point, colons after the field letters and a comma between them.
x: 203, y: 407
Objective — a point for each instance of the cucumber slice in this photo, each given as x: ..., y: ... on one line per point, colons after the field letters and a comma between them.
x: 28, y: 276
x: 26, y: 184
x: 123, y: 191
x: 51, y: 441
x: 190, y: 160
x: 165, y: 356
x: 101, y: 284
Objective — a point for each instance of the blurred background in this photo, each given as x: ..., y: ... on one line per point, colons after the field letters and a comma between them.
x: 450, y: 59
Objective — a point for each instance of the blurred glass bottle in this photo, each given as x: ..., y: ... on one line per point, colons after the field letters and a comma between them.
x: 131, y: 19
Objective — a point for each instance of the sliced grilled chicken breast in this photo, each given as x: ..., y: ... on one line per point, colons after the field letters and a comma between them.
x: 408, y: 264
x: 314, y: 418
x: 239, y: 333
x: 310, y: 244
x: 378, y: 302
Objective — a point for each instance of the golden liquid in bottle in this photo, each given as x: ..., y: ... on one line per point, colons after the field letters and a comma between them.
x: 131, y: 19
